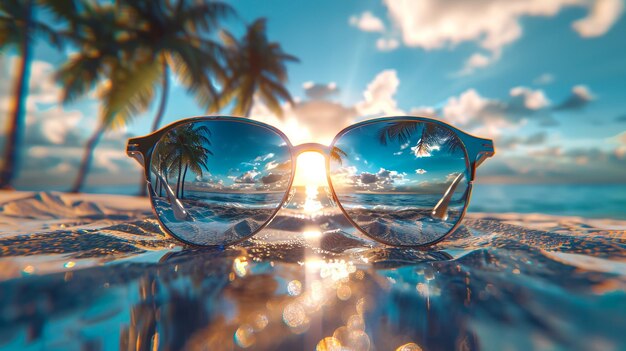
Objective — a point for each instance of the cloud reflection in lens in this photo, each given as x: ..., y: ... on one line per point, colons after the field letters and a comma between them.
x: 401, y: 182
x: 216, y: 182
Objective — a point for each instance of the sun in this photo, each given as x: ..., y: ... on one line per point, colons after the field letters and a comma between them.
x: 310, y: 170
x: 311, y: 173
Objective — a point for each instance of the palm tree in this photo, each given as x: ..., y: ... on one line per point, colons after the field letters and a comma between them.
x: 159, y: 164
x: 430, y: 134
x: 256, y: 67
x: 173, y: 33
x: 18, y: 27
x: 128, y: 48
x: 106, y: 57
x: 182, y: 149
x: 337, y: 154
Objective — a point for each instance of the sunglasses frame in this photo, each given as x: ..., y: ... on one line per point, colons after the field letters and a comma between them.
x: 475, y: 150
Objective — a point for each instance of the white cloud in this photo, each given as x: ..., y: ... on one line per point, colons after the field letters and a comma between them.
x: 460, y: 110
x: 263, y: 158
x: 45, y: 125
x: 582, y: 92
x: 604, y: 13
x: 478, y: 60
x: 533, y: 99
x: 420, y: 152
x: 308, y: 121
x: 423, y: 111
x: 319, y: 120
x: 545, y: 78
x: 315, y: 91
x: 423, y: 151
x: 41, y: 87
x: 378, y: 98
x: 480, y: 115
x: 247, y: 177
x: 580, y: 97
x: 420, y: 171
x: 53, y: 139
x: 367, y: 22
x: 492, y: 24
x: 384, y: 179
x: 387, y: 44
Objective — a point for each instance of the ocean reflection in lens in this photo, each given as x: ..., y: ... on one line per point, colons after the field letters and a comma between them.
x: 217, y: 182
x: 402, y: 182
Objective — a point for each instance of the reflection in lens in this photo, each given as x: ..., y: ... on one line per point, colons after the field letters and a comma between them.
x: 217, y: 182
x: 401, y: 182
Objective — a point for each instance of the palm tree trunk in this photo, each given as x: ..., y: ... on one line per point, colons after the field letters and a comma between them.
x: 180, y: 166
x: 182, y: 187
x: 16, y: 122
x: 159, y: 115
x: 87, y: 158
x: 159, y: 186
x: 248, y: 110
x: 249, y: 107
x: 163, y: 103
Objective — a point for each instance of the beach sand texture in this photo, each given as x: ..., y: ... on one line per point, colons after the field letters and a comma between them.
x: 96, y: 272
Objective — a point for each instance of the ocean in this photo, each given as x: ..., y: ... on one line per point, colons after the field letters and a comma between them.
x: 585, y: 200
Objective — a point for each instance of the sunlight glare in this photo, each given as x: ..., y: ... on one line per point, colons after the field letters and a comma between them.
x: 310, y: 170
x: 311, y: 173
x: 311, y: 204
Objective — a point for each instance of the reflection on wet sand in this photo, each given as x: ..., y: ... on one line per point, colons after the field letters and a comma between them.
x: 323, y: 304
x: 495, y: 284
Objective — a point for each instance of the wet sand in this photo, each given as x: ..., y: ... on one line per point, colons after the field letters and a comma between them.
x: 96, y: 272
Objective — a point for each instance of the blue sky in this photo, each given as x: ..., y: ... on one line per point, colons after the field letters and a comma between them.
x: 243, y: 157
x: 544, y: 79
x: 397, y: 165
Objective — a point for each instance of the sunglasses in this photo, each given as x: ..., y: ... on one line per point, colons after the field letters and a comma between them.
x: 402, y: 181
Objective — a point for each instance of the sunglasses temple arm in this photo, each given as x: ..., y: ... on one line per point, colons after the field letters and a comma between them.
x: 179, y: 210
x: 177, y: 207
x: 481, y: 158
x: 440, y: 211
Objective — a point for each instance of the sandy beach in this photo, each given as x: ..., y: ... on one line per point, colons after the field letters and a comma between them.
x: 110, y: 277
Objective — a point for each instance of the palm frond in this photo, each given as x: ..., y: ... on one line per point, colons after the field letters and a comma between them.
x: 256, y: 68
x: 279, y: 90
x: 228, y: 39
x: 430, y: 135
x: 78, y: 76
x: 400, y: 131
x: 268, y: 98
x: 337, y: 154
x: 131, y: 91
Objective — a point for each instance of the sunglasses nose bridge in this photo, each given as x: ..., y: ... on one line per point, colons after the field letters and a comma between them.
x: 311, y: 147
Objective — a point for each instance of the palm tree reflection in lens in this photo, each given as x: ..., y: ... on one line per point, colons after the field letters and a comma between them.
x: 392, y: 184
x: 219, y: 200
x: 184, y: 146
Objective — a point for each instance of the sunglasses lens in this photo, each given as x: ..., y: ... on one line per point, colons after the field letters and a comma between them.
x: 404, y: 183
x: 218, y: 182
